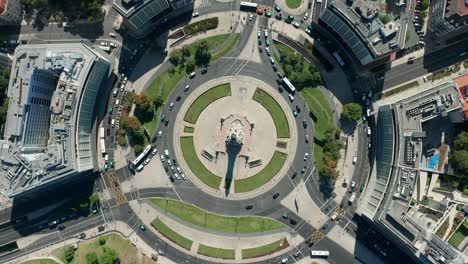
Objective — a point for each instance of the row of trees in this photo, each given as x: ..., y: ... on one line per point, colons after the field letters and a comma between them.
x: 4, y: 80
x: 184, y: 56
x: 331, y: 145
x: 108, y: 256
x: 62, y: 10
x: 459, y: 155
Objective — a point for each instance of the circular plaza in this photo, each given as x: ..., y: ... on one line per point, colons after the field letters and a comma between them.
x: 235, y: 137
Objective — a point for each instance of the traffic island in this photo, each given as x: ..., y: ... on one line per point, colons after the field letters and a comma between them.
x: 264, y: 250
x: 222, y: 253
x: 171, y: 234
x: 227, y: 224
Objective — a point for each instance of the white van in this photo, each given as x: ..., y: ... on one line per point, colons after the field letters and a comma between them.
x: 113, y: 122
x: 166, y: 152
x: 117, y: 102
x: 115, y: 92
x: 139, y: 168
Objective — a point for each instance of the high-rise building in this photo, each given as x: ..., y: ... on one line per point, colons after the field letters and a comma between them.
x: 141, y: 16
x: 10, y: 12
x: 49, y: 130
x: 448, y: 16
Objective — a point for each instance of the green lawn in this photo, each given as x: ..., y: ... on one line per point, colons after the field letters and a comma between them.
x: 459, y: 235
x: 213, y: 42
x: 401, y: 88
x: 321, y: 110
x: 264, y: 250
x: 171, y: 234
x: 220, y: 53
x: 228, y: 224
x: 206, y: 99
x: 293, y: 3
x: 41, y: 261
x: 196, y: 166
x: 126, y: 251
x: 167, y: 81
x: 188, y: 129
x: 262, y: 177
x: 318, y: 156
x: 213, y: 252
x: 275, y: 110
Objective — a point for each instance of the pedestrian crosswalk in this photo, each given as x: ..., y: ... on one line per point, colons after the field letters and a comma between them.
x: 204, y: 3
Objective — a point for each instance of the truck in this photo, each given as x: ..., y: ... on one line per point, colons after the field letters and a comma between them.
x: 352, y: 198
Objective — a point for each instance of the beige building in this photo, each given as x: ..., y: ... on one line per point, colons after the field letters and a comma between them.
x: 10, y: 12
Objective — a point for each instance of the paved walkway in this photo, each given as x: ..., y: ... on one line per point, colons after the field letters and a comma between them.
x: 148, y: 212
x: 292, y: 145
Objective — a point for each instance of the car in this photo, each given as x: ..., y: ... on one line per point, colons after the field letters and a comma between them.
x: 169, y: 162
x: 307, y: 31
x: 171, y: 106
x: 298, y: 109
x: 111, y: 109
x: 259, y: 42
x: 192, y: 75
x: 176, y: 175
x: 104, y: 44
x: 259, y: 34
x: 275, y: 68
x: 204, y: 70
x: 260, y: 48
x: 111, y: 163
x: 161, y: 252
x: 277, y: 8
x: 306, y: 155
x: 425, y: 78
x: 146, y: 161
x: 306, y: 16
x: 259, y: 11
x: 142, y: 228
x: 172, y: 169
x: 369, y: 146
x: 268, y: 14
x: 195, y: 14
x: 295, y: 113
x: 160, y: 133
x: 113, y: 45
x: 369, y: 131
x: 279, y: 75
x: 112, y: 34
x: 82, y: 235
x: 303, y: 170
x: 294, y: 175
x: 334, y: 216
x: 183, y: 176
x: 354, y: 159
x: 267, y: 43
x: 297, y: 254
x: 61, y: 227
x: 291, y: 97
x: 284, y: 260
x: 307, y: 138
x: 276, y: 195
x: 186, y: 87
x: 249, y: 207
x: 285, y: 216
x: 290, y: 18
x: 163, y: 117
x: 353, y: 184
x: 106, y: 167
x: 155, y: 150
x: 296, y: 24
x: 324, y: 227
x: 265, y: 32
x: 368, y: 112
x: 304, y: 123
x: 162, y: 158
x: 293, y: 221
x: 362, y: 188
x: 179, y: 170
x: 268, y: 51
x: 279, y: 16
x: 178, y: 98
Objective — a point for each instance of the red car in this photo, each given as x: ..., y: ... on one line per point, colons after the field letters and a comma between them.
x: 259, y: 11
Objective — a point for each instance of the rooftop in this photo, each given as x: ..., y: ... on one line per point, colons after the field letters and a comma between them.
x: 49, y: 89
x: 462, y: 83
x: 457, y: 12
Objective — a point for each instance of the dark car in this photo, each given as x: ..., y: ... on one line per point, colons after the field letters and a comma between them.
x: 101, y: 228
x: 304, y: 169
x: 204, y: 70
x: 293, y: 221
x: 304, y: 123
x: 166, y: 168
x: 166, y: 122
x: 298, y: 109
x: 61, y: 227
x: 274, y: 67
x: 294, y: 175
x: 178, y: 98
x: 276, y: 195
x: 324, y: 227
x: 249, y: 207
x: 82, y: 235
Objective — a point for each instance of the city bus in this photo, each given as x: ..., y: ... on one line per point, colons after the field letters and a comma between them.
x: 248, y: 6
x: 289, y: 86
x: 319, y: 253
x: 101, y: 132
x: 338, y: 59
x: 103, y: 146
x: 141, y: 157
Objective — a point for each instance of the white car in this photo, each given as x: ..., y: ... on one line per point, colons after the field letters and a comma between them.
x: 259, y: 34
x: 179, y: 170
x: 266, y: 33
x: 104, y: 44
x: 112, y: 44
x: 425, y: 78
x: 112, y: 34
x: 159, y: 133
x: 291, y: 97
x: 171, y: 106
x: 154, y: 151
x: 305, y: 16
x: 306, y: 155
x: 192, y: 74
x: 183, y: 176
x: 353, y: 184
x: 272, y: 60
x: 186, y: 87
x: 296, y: 24
x: 195, y: 14
x: 250, y: 17
x: 268, y: 51
x: 354, y: 159
x: 176, y: 176
x: 307, y: 31
x: 368, y: 131
x: 146, y: 161
x: 169, y: 162
x: 368, y: 112
x: 162, y: 158
x: 284, y: 260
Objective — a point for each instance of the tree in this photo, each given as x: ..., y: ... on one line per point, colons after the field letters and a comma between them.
x: 94, y: 198
x: 185, y: 51
x: 142, y: 103
x: 459, y: 161
x: 176, y: 56
x: 424, y: 4
x: 69, y: 254
x: 190, y: 66
x: 202, y: 56
x: 328, y: 172
x: 102, y: 240
x: 133, y: 125
x: 158, y: 102
x: 84, y: 206
x: 91, y: 258
x: 109, y: 256
x: 352, y: 111
x: 461, y: 141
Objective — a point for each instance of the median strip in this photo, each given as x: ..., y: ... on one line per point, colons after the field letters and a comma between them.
x: 171, y: 234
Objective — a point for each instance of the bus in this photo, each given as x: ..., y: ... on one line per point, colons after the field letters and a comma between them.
x: 338, y: 59
x: 289, y: 86
x: 141, y: 157
x: 103, y: 146
x: 101, y: 133
x: 319, y: 253
x: 248, y: 6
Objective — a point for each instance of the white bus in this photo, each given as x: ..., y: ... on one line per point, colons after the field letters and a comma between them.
x: 338, y: 59
x: 142, y: 156
x: 101, y: 133
x: 248, y: 6
x: 103, y: 146
x: 289, y: 85
x: 319, y: 253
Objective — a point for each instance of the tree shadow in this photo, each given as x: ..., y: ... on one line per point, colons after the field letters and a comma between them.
x: 347, y: 126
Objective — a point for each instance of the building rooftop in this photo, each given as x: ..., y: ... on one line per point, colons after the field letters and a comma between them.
x: 361, y: 28
x: 462, y: 83
x: 457, y: 12
x: 47, y: 125
x: 129, y: 7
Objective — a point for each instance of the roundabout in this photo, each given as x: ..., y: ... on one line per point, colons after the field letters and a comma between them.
x: 230, y: 153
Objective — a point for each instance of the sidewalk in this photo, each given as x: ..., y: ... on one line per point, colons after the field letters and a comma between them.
x: 148, y: 212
